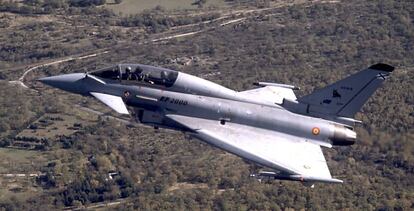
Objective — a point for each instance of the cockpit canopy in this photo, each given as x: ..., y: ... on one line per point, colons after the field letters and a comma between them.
x: 137, y: 73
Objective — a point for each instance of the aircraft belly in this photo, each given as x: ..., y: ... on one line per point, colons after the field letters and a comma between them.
x: 215, y: 141
x: 217, y: 109
x: 279, y: 151
x: 257, y: 116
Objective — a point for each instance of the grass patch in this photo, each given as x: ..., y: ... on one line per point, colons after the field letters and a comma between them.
x: 128, y: 7
x: 15, y: 159
x: 51, y: 126
x: 17, y: 156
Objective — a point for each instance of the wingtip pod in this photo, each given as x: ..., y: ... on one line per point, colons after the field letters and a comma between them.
x: 333, y: 180
x: 382, y: 67
x: 317, y: 179
x: 309, y: 180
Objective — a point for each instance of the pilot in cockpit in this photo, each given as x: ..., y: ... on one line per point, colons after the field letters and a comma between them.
x: 138, y: 73
x: 143, y: 76
x: 128, y: 73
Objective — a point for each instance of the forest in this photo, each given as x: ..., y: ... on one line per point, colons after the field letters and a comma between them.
x: 87, y: 159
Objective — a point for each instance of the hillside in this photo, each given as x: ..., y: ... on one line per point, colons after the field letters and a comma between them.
x: 80, y: 154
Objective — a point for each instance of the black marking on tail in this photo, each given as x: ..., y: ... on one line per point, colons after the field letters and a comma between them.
x: 382, y: 67
x: 335, y: 94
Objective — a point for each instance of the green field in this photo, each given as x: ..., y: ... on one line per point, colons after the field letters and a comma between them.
x: 15, y: 159
x: 57, y: 125
x: 136, y: 6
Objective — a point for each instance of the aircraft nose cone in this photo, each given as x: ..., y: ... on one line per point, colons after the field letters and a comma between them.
x: 67, y: 82
x: 67, y: 78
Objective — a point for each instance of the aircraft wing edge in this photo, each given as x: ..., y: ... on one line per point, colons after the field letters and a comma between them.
x: 216, y: 141
x: 220, y: 136
x: 296, y: 176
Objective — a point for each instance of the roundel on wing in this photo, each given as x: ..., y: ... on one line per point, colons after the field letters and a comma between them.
x: 316, y: 131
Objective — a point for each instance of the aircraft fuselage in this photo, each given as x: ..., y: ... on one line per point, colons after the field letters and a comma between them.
x: 150, y: 105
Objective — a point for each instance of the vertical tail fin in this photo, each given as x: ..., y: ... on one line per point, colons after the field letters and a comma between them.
x: 347, y: 96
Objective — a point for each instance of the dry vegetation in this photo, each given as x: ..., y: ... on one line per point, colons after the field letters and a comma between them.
x: 103, y: 160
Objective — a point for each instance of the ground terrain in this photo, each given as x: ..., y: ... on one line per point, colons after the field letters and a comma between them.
x: 65, y: 151
x: 128, y: 7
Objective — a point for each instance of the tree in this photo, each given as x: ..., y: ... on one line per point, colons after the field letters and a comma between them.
x: 31, y: 2
x: 200, y: 3
x: 54, y: 4
x: 86, y: 3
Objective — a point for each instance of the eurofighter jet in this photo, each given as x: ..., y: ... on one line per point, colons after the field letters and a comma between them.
x: 268, y: 125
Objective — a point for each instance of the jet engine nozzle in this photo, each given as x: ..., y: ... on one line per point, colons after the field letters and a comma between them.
x: 343, y: 136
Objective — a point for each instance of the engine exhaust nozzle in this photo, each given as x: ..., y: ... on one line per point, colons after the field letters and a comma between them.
x: 343, y: 136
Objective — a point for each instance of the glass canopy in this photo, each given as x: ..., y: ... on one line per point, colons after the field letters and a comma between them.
x: 136, y: 74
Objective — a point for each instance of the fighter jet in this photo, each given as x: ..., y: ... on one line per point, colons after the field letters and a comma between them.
x: 268, y: 125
